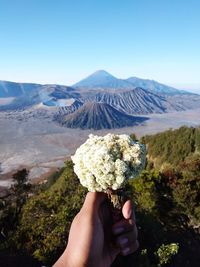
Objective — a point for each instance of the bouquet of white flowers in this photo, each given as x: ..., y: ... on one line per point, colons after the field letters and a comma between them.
x: 104, y: 164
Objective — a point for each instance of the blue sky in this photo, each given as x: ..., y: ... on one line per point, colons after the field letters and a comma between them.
x: 61, y: 41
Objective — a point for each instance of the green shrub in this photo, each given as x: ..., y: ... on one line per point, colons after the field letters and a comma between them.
x: 166, y: 252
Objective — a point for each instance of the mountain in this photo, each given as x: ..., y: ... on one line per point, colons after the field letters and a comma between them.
x: 136, y: 101
x: 57, y: 95
x: 13, y: 89
x: 104, y: 80
x: 99, y: 116
x: 101, y: 79
x: 21, y: 95
x: 101, y: 86
x: 154, y: 86
x: 65, y: 110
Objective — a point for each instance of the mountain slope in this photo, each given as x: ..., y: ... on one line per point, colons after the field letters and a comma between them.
x: 13, y: 89
x: 103, y: 80
x: 56, y: 95
x: 99, y: 116
x: 154, y: 86
x: 23, y: 95
x: 69, y: 109
x: 136, y: 101
x: 173, y: 146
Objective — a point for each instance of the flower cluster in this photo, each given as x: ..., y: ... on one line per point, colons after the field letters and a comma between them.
x: 103, y: 163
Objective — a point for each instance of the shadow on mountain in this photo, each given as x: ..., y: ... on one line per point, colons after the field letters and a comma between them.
x: 99, y: 116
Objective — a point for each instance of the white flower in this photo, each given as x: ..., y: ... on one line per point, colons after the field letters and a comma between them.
x: 103, y: 163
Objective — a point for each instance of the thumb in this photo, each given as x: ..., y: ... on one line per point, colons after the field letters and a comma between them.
x: 93, y: 200
x: 127, y: 210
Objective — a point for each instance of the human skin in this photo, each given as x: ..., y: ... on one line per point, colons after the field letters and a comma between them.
x: 93, y: 241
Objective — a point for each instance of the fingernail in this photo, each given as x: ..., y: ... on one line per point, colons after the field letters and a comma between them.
x: 126, y: 251
x: 123, y: 241
x: 118, y: 230
x: 129, y: 213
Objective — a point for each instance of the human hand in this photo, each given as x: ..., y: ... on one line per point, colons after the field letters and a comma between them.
x: 93, y: 242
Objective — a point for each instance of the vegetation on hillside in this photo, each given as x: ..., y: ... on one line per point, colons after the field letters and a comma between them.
x: 167, y: 207
x: 172, y: 146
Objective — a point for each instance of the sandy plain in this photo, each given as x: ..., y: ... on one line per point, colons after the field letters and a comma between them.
x: 41, y: 145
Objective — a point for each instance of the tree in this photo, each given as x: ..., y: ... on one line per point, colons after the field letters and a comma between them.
x: 10, y: 206
x: 186, y: 190
x: 20, y: 189
x: 46, y: 217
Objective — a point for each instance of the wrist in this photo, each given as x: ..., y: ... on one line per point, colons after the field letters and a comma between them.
x: 63, y: 261
x: 68, y: 260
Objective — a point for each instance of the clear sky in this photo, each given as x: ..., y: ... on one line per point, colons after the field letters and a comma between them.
x: 62, y: 41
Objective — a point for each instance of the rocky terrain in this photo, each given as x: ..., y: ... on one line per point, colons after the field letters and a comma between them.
x: 76, y: 104
x: 136, y: 101
x: 95, y: 115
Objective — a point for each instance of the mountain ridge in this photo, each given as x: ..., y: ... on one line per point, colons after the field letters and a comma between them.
x: 15, y: 89
x: 103, y: 80
x: 154, y: 86
x: 113, y: 102
x: 140, y: 101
